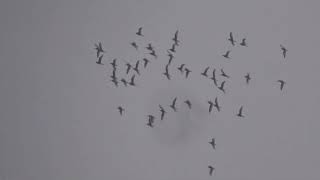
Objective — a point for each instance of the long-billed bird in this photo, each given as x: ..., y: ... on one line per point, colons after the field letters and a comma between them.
x: 99, y: 49
x: 121, y: 110
x: 136, y: 68
x: 100, y: 60
x: 216, y: 104
x: 181, y: 68
x: 231, y: 39
x: 205, y: 72
x: 243, y: 42
x: 139, y: 33
x: 173, y: 105
x: 226, y: 55
x: 213, y: 143
x: 211, y: 169
x: 284, y: 51
x: 146, y: 62
x: 163, y: 112
x: 188, y: 103
x: 282, y: 83
x: 248, y: 78
x: 240, y: 112
x: 188, y: 71
x: 150, y: 120
x: 224, y: 74
x: 221, y: 87
x: 210, y: 105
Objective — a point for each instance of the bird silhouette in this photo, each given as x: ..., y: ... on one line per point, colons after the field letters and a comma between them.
x: 114, y: 63
x: 100, y: 60
x: 222, y: 87
x: 214, y: 77
x: 188, y: 103
x: 146, y: 61
x: 129, y: 66
x: 210, y: 105
x: 166, y: 73
x: 216, y: 104
x: 175, y: 38
x: 115, y: 81
x: 149, y: 47
x: 205, y: 72
x: 226, y: 55
x: 213, y: 143
x: 282, y: 83
x: 134, y: 44
x: 136, y: 68
x: 284, y: 51
x: 173, y: 105
x: 150, y: 120
x: 132, y: 82
x: 181, y: 68
x: 187, y: 72
x: 153, y: 53
x: 224, y: 74
x: 113, y: 76
x: 173, y: 48
x: 163, y: 112
x: 121, y: 110
x: 211, y: 169
x: 125, y: 83
x: 248, y: 78
x: 231, y: 39
x: 139, y: 33
x: 170, y: 57
x: 243, y: 42
x: 99, y: 49
x: 240, y: 112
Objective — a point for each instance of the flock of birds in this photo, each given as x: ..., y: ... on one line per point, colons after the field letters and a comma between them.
x: 184, y: 70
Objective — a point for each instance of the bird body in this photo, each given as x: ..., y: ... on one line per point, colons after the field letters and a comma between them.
x: 248, y: 78
x: 121, y: 110
x: 163, y: 112
x: 187, y: 72
x: 205, y: 72
x: 240, y: 112
x: 173, y: 105
x: 188, y: 103
x: 146, y: 62
x: 210, y: 106
x: 211, y: 169
x: 100, y: 60
x: 181, y: 68
x: 224, y: 74
x: 222, y: 87
x: 216, y: 104
x: 139, y: 33
x: 226, y: 55
x: 243, y: 42
x: 231, y: 39
x: 284, y: 51
x: 282, y: 83
x: 213, y: 143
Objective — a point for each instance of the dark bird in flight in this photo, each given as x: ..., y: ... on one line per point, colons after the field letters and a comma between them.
x: 99, y: 49
x: 181, y: 68
x: 240, y: 112
x: 100, y: 60
x: 173, y: 105
x: 150, y: 120
x: 146, y: 61
x: 231, y: 39
x: 136, y: 68
x: 226, y: 55
x: 214, y: 77
x: 163, y: 112
x: 282, y: 83
x: 114, y: 63
x: 170, y: 57
x: 173, y: 48
x: 211, y: 169
x: 129, y: 66
x: 121, y: 110
x: 149, y: 47
x: 224, y: 74
x: 188, y: 104
x: 205, y: 72
x: 222, y: 87
x: 153, y: 53
x: 134, y: 44
x: 213, y: 143
x: 115, y: 81
x: 248, y: 78
x: 113, y: 76
x: 210, y: 106
x: 187, y: 72
x: 284, y: 51
x: 139, y: 33
x: 243, y: 42
x: 125, y: 83
x: 167, y: 73
x: 175, y: 38
x: 216, y: 104
x: 132, y: 83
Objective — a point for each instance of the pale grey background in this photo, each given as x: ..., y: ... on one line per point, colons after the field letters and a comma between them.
x: 58, y: 118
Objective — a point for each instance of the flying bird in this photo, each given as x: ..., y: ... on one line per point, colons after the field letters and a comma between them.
x: 167, y: 73
x: 99, y: 49
x: 222, y: 87
x: 213, y: 143
x: 282, y: 83
x: 187, y: 72
x: 240, y: 112
x: 129, y: 66
x: 175, y: 38
x: 243, y: 42
x: 181, y: 68
x: 224, y: 74
x: 188, y: 103
x: 114, y: 63
x: 216, y: 104
x: 113, y: 76
x: 136, y: 68
x: 214, y: 77
x: 132, y: 83
x: 226, y: 55
x: 153, y: 53
x: 149, y: 47
x: 211, y: 169
x: 115, y: 81
x: 134, y: 44
x: 139, y: 33
x: 231, y: 39
x: 163, y: 112
x: 100, y: 60
x: 150, y: 120
x: 125, y: 83
x: 170, y: 57
x: 173, y: 48
x: 146, y: 61
x: 284, y: 51
x: 210, y: 106
x: 248, y: 78
x: 205, y: 72
x: 121, y: 110
x: 173, y: 105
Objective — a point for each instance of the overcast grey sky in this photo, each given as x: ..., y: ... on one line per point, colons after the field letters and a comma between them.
x: 58, y: 117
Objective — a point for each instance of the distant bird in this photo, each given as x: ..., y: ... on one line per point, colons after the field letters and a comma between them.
x: 114, y: 63
x: 216, y: 104
x: 170, y: 57
x: 125, y: 83
x: 163, y: 112
x: 153, y: 53
x: 231, y: 39
x: 240, y: 112
x: 100, y: 60
x: 136, y: 68
x: 181, y: 68
x: 248, y: 78
x: 129, y: 66
x: 226, y: 55
x: 284, y: 51
x: 115, y: 81
x: 282, y: 83
x: 210, y: 105
x: 150, y: 120
x: 167, y: 73
x: 99, y: 49
x: 173, y: 105
x: 175, y: 38
x: 211, y: 169
x: 146, y: 61
x: 243, y: 42
x: 132, y: 83
x: 205, y: 72
x: 214, y: 77
x: 113, y: 76
x: 224, y: 74
x: 173, y: 48
x: 149, y: 47
x: 139, y: 33
x: 213, y: 143
x: 187, y: 72
x: 121, y: 110
x: 188, y: 103
x: 134, y: 44
x: 222, y: 87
